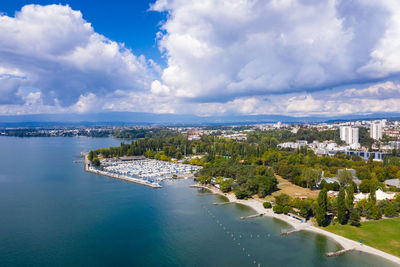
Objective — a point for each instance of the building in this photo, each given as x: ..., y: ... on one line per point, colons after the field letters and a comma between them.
x: 394, y: 144
x: 293, y: 145
x: 376, y: 130
x: 349, y: 134
x: 377, y: 156
x: 393, y: 182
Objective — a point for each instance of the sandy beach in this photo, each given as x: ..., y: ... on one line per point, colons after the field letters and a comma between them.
x: 346, y: 243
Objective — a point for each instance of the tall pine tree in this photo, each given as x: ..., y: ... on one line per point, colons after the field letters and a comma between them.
x: 322, y: 205
x: 350, y: 197
x: 341, y: 207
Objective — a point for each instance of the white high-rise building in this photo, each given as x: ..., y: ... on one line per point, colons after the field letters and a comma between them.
x: 349, y: 134
x: 376, y: 130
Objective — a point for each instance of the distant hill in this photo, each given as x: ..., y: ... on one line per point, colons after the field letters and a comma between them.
x: 141, y: 118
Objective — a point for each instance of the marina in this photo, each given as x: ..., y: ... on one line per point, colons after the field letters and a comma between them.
x: 148, y: 172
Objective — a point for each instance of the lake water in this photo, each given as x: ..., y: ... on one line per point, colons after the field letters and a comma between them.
x: 52, y: 213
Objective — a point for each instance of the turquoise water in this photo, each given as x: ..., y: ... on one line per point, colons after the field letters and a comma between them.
x: 54, y: 214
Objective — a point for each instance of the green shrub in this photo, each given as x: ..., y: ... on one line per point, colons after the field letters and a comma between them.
x: 286, y: 209
x: 278, y: 209
x: 267, y: 205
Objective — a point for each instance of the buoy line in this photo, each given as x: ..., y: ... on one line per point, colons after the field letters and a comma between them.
x: 231, y: 234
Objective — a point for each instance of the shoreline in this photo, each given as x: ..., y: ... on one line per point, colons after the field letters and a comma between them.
x: 347, y: 244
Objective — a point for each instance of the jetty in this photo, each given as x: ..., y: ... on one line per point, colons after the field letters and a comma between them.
x: 291, y: 232
x: 205, y: 194
x: 198, y: 186
x: 252, y: 216
x: 337, y: 253
x: 222, y: 203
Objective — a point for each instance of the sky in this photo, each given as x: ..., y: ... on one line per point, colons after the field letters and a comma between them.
x: 245, y: 57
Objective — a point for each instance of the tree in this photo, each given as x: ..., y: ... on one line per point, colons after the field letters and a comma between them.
x: 345, y: 177
x: 282, y: 200
x: 226, y: 185
x: 267, y: 205
x: 91, y: 156
x: 350, y: 197
x: 372, y: 193
x: 374, y: 213
x: 305, y: 209
x: 354, y: 217
x: 320, y: 213
x: 149, y: 154
x: 277, y: 209
x: 389, y: 210
x: 311, y: 176
x: 204, y: 179
x: 341, y: 207
x: 96, y: 162
x: 286, y: 209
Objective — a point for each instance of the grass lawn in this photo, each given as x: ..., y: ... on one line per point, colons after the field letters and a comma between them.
x: 292, y: 190
x: 383, y: 235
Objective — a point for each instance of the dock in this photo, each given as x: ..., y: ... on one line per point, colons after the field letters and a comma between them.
x: 291, y: 232
x: 337, y: 253
x: 222, y: 203
x: 251, y: 216
x: 198, y: 186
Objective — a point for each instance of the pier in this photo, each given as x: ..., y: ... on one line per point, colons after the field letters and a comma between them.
x: 337, y: 253
x: 222, y: 203
x: 252, y: 216
x: 291, y: 232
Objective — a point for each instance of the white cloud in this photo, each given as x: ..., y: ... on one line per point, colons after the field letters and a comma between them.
x: 221, y: 50
x: 57, y: 52
x: 223, y: 57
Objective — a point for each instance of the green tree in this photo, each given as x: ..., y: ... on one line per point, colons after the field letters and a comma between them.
x: 282, y: 200
x: 149, y: 154
x: 345, y: 177
x: 354, y: 217
x: 277, y: 209
x: 91, y: 156
x: 96, y: 162
x: 286, y: 209
x: 204, y: 179
x: 305, y: 209
x: 350, y: 197
x: 389, y: 210
x: 267, y: 205
x: 322, y: 202
x: 311, y: 177
x: 226, y: 185
x: 372, y: 193
x: 341, y: 207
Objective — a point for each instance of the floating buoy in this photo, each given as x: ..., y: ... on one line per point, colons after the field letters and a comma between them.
x: 248, y: 255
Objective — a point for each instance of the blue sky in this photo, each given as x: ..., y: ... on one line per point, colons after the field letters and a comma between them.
x: 288, y: 57
x: 128, y: 22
